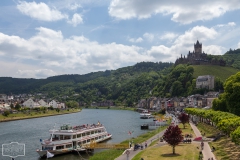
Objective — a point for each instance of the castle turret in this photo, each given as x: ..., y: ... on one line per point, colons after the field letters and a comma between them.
x: 198, y: 47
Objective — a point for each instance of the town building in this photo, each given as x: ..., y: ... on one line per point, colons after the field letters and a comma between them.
x: 205, y: 81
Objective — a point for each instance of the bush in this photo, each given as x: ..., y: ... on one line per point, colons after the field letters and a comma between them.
x: 6, y: 113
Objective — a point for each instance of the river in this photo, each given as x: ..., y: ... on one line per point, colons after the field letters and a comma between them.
x: 30, y: 131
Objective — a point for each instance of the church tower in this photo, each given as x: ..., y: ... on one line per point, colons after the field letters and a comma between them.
x: 198, y: 47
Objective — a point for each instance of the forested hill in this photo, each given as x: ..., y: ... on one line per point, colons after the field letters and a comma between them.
x: 124, y: 86
x: 97, y: 86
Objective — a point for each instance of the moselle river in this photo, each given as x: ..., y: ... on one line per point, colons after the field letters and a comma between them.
x: 30, y: 131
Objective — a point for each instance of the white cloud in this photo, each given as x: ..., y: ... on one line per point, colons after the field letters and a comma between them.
x: 39, y: 73
x: 214, y: 50
x: 185, y: 42
x: 138, y: 40
x: 74, y: 6
x: 182, y: 11
x: 229, y: 24
x: 77, y: 19
x: 49, y: 51
x: 40, y: 11
x: 148, y: 36
x: 168, y: 36
x: 239, y: 45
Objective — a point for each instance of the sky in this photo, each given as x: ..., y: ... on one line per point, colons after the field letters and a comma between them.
x: 44, y: 38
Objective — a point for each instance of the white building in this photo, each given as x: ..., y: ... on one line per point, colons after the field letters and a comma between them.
x: 61, y: 105
x: 53, y: 103
x: 31, y: 104
x: 43, y: 103
x: 206, y: 81
x: 3, y: 97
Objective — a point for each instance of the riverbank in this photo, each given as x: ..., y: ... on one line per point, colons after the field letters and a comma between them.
x: 111, y: 107
x: 111, y: 154
x: 21, y: 116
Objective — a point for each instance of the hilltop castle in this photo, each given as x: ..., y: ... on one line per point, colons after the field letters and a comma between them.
x: 197, y: 57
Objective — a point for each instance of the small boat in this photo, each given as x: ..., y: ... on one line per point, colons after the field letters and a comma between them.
x: 72, y: 138
x: 145, y: 114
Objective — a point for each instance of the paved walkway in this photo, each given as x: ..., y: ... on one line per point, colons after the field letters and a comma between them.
x: 132, y: 153
x: 207, y: 153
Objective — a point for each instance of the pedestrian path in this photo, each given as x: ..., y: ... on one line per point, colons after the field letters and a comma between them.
x: 207, y: 153
x: 130, y: 153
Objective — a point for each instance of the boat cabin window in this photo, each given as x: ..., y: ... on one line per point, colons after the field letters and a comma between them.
x: 96, y: 131
x: 74, y: 136
x: 88, y: 140
x: 67, y: 137
x: 47, y: 148
x: 59, y: 147
x: 55, y: 137
x: 88, y: 133
x: 84, y: 142
x: 69, y: 146
x: 83, y: 134
x: 79, y: 135
x: 61, y: 137
x: 96, y: 138
x: 92, y: 132
x: 79, y: 143
x: 99, y: 137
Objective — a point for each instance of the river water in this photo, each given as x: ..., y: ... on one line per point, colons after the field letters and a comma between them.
x: 30, y: 131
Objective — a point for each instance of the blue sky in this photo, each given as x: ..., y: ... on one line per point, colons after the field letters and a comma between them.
x: 39, y: 39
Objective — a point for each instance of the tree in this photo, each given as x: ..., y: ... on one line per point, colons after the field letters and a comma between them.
x: 229, y: 100
x: 184, y: 118
x: 6, y: 113
x: 12, y: 106
x: 17, y: 106
x: 173, y: 136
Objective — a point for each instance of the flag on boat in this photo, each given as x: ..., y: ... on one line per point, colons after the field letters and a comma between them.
x: 49, y: 155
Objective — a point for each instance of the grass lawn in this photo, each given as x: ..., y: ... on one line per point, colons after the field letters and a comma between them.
x: 35, y: 114
x: 164, y: 152
x: 183, y: 152
x: 187, y: 129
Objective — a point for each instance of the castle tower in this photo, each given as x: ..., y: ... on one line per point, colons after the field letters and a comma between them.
x: 198, y: 47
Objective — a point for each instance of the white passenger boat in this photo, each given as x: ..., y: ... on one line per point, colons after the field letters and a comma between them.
x: 145, y: 114
x: 68, y: 139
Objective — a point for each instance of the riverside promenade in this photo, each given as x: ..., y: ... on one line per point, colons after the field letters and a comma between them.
x: 128, y: 154
x: 207, y: 153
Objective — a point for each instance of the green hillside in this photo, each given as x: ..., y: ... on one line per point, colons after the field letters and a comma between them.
x: 218, y: 71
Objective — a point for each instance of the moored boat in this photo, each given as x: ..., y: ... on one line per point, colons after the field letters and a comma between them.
x: 72, y: 138
x: 145, y: 114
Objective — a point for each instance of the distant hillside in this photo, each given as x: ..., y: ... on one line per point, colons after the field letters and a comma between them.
x: 124, y: 86
x: 218, y: 71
